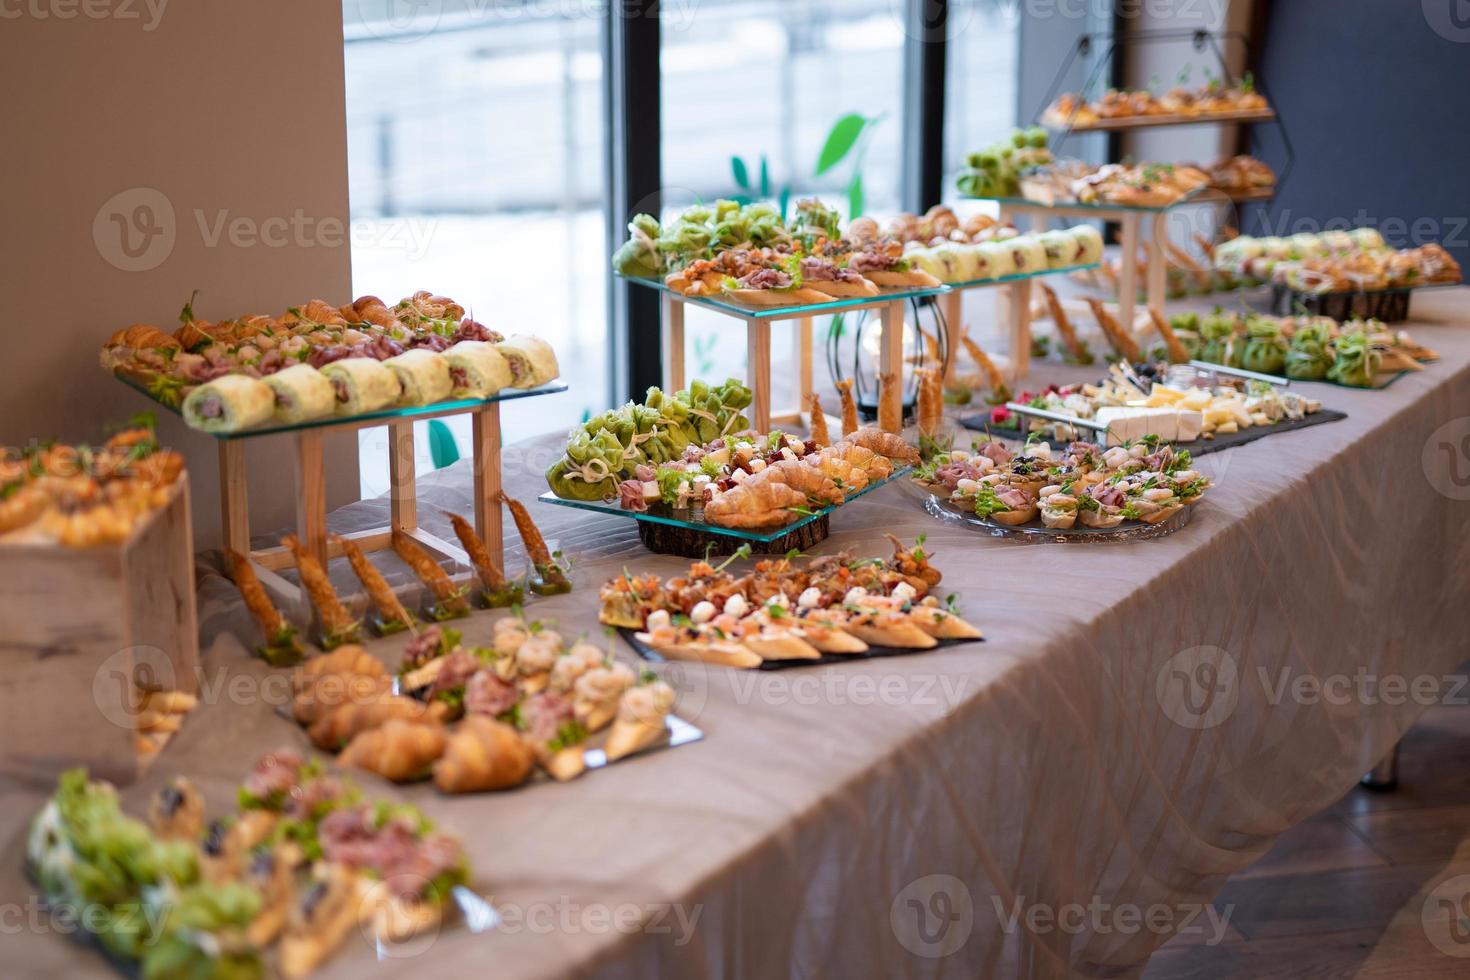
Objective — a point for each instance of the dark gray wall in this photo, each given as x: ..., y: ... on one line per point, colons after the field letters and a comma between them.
x: 1376, y: 98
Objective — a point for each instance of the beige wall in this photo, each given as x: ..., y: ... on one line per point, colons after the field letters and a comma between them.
x: 212, y: 108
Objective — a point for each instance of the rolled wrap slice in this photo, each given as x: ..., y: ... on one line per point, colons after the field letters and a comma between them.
x: 362, y: 384
x: 423, y: 374
x: 229, y: 404
x: 477, y: 369
x: 302, y: 393
x: 1089, y: 244
x: 532, y: 361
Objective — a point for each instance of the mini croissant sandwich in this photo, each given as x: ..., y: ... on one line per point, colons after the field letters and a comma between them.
x: 483, y: 754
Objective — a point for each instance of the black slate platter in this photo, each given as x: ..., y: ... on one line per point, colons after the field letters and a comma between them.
x: 647, y: 653
x: 1199, y: 447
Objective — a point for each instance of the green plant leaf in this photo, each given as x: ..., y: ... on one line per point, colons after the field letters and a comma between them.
x: 442, y: 448
x: 742, y: 176
x: 855, y: 196
x: 785, y: 200
x: 840, y: 141
x: 765, y: 177
x: 741, y: 199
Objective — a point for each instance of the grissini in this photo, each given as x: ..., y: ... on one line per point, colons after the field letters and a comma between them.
x: 302, y: 393
x: 229, y: 404
x: 498, y: 592
x: 1177, y: 352
x: 1118, y: 337
x: 423, y: 376
x: 281, y: 648
x: 549, y: 579
x: 1070, y: 340
x: 849, y: 407
x: 819, y: 420
x: 362, y: 385
x: 392, y: 617
x: 450, y: 601
x: 338, y: 626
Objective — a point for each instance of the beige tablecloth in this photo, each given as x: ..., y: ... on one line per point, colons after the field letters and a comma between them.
x: 930, y: 815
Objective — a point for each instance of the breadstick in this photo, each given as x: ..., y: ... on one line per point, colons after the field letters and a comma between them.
x: 849, y: 407
x: 552, y: 579
x: 338, y: 626
x: 997, y: 380
x: 280, y: 648
x: 498, y: 592
x: 890, y: 411
x: 1120, y: 340
x: 393, y: 617
x: 1206, y: 245
x: 819, y: 420
x: 452, y: 601
x: 1064, y: 326
x: 1177, y: 352
x: 930, y: 411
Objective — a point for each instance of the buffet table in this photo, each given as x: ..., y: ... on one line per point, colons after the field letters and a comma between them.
x: 887, y: 817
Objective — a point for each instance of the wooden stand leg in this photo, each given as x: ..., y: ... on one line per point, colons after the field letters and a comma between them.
x: 486, y: 447
x: 1128, y: 273
x: 233, y: 498
x: 758, y: 370
x: 1020, y: 327
x: 952, y: 307
x: 311, y: 495
x: 403, y: 493
x: 803, y: 350
x: 890, y: 361
x: 673, y: 343
x: 1157, y: 265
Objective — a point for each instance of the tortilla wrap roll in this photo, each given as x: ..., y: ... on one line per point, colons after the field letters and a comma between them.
x: 229, y: 404
x: 532, y: 361
x: 302, y: 393
x: 1089, y: 244
x: 362, y: 384
x: 477, y: 369
x: 423, y: 374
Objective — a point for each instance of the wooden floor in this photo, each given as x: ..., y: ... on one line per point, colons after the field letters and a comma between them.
x: 1342, y: 894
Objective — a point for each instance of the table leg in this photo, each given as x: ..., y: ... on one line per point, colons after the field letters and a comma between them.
x: 1020, y: 327
x: 890, y: 361
x: 403, y: 493
x: 311, y: 494
x: 803, y: 351
x: 1128, y: 272
x: 1157, y: 264
x: 952, y: 308
x: 233, y: 497
x: 673, y: 342
x: 486, y: 447
x: 758, y: 370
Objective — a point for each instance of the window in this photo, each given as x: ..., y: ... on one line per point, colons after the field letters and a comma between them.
x: 980, y: 90
x: 475, y: 137
x: 764, y: 82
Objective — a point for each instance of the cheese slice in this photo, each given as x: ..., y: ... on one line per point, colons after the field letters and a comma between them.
x: 1129, y: 424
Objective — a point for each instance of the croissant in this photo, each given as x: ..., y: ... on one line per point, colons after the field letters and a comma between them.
x: 397, y: 750
x: 860, y: 458
x: 346, y: 721
x: 324, y: 683
x: 884, y: 444
x: 755, y: 504
x: 482, y: 754
x: 798, y: 475
x: 819, y: 420
x: 838, y: 468
x: 849, y: 407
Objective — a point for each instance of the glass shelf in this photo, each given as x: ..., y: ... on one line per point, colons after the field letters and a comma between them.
x: 1063, y: 206
x: 1164, y: 119
x: 670, y: 517
x: 838, y: 305
x: 450, y: 407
